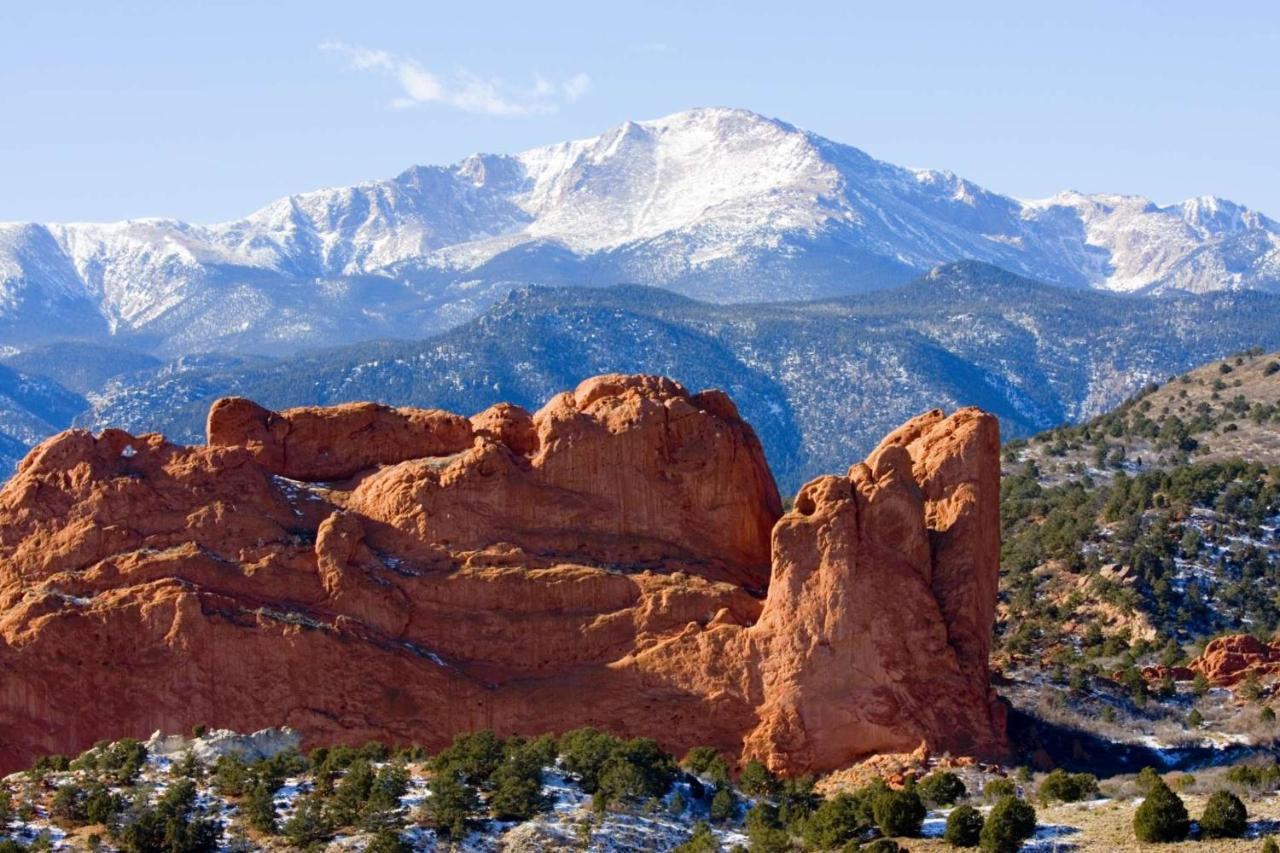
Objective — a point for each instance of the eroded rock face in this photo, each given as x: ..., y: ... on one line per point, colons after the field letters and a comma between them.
x: 618, y: 559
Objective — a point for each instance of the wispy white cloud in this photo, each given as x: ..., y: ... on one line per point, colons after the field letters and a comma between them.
x: 463, y: 89
x: 576, y: 86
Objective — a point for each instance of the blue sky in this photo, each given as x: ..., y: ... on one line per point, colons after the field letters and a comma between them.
x: 207, y: 111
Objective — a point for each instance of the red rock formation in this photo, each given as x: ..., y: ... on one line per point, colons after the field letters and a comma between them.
x: 1159, y: 672
x: 1227, y: 661
x: 334, y: 443
x: 363, y: 572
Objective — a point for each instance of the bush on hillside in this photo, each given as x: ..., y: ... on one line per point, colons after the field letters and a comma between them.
x: 1262, y: 777
x: 1224, y: 816
x: 764, y: 830
x: 636, y: 769
x: 1148, y: 780
x: 308, y: 826
x: 1066, y: 787
x: 474, y: 756
x: 174, y: 824
x: 388, y: 841
x: 964, y: 827
x: 724, y: 806
x: 701, y: 840
x: 1011, y: 822
x: 1162, y: 816
x: 998, y: 789
x: 834, y: 822
x: 452, y: 806
x: 796, y: 800
x: 942, y: 788
x: 898, y: 813
x: 584, y: 752
x: 756, y: 780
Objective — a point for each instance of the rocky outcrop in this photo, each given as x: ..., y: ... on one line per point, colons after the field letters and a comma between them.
x: 879, y: 578
x: 1227, y: 661
x: 619, y: 558
x: 334, y: 443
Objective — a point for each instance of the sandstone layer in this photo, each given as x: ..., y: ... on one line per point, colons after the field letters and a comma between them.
x: 619, y: 558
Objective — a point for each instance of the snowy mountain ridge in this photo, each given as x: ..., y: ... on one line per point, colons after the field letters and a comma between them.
x: 718, y: 204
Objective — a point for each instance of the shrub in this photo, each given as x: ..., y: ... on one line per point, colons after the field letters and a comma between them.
x: 173, y: 824
x: 636, y: 769
x: 307, y: 825
x: 231, y: 776
x: 118, y: 763
x: 764, y: 830
x: 68, y: 806
x: 516, y: 795
x: 1067, y: 787
x: 1224, y: 816
x: 475, y: 756
x: 1270, y: 846
x: 997, y: 789
x: 1011, y: 822
x: 388, y: 841
x: 382, y: 810
x: 584, y: 752
x: 796, y: 800
x: 1148, y: 780
x: 452, y: 805
x: 964, y: 827
x: 1161, y: 817
x: 723, y: 806
x: 756, y: 780
x: 100, y: 805
x: 259, y: 809
x: 1262, y: 777
x: 701, y: 840
x: 350, y: 795
x: 187, y: 767
x: 374, y: 752
x: 718, y: 772
x: 835, y: 821
x: 46, y: 764
x: 942, y: 788
x: 898, y: 813
x: 698, y: 759
x: 540, y: 752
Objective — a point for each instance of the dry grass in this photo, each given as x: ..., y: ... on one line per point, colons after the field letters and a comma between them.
x: 1108, y: 826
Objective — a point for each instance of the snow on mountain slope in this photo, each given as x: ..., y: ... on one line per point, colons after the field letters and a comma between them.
x: 718, y: 204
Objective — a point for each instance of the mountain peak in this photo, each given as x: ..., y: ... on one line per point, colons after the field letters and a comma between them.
x: 717, y: 203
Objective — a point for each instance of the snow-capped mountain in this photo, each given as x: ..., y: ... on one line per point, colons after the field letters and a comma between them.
x: 719, y: 204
